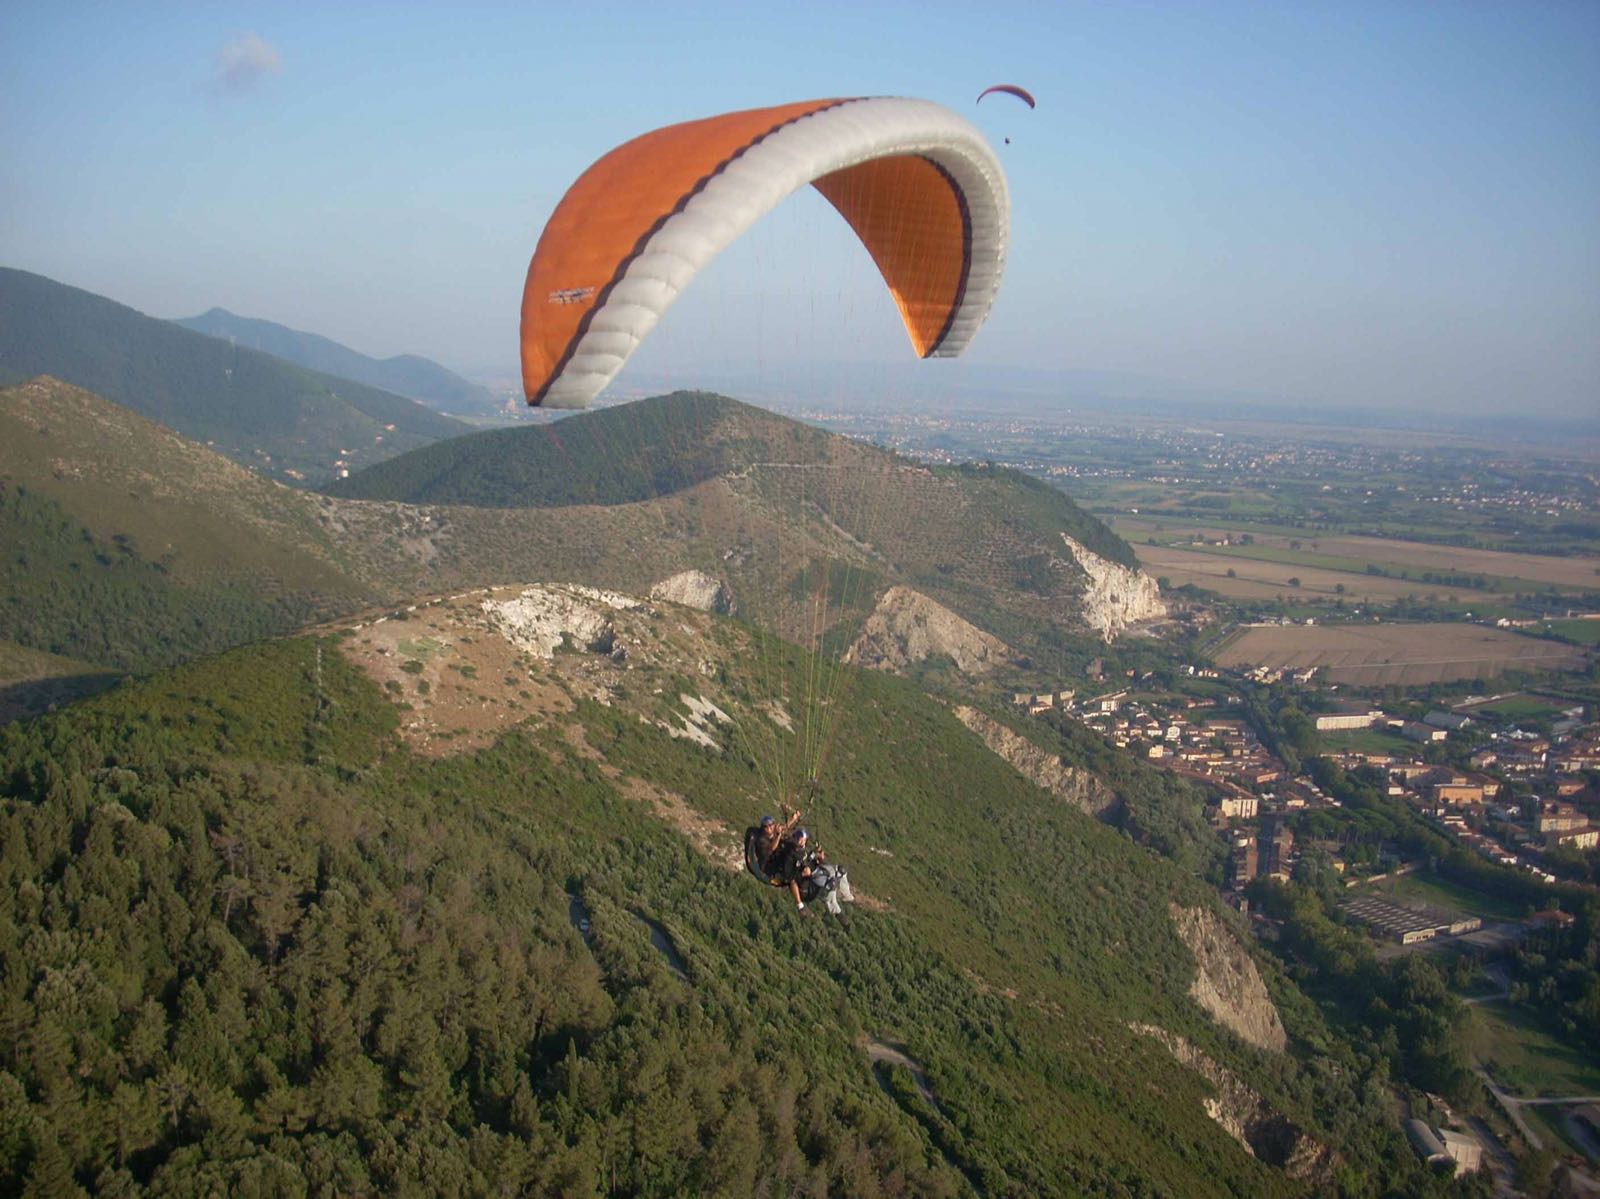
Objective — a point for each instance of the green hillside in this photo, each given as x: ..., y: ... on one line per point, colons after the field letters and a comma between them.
x: 405, y: 374
x: 33, y: 681
x: 129, y: 547
x: 125, y: 546
x: 271, y: 415
x: 618, y: 455
x: 253, y: 942
x: 695, y: 479
x: 657, y: 447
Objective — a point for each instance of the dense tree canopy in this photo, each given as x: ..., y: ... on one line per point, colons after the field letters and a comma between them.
x: 250, y: 945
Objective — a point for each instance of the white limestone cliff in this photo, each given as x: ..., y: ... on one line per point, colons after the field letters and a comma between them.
x: 1116, y: 596
x: 907, y: 627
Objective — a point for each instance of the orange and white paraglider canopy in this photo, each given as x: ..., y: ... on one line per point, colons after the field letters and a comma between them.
x: 919, y: 185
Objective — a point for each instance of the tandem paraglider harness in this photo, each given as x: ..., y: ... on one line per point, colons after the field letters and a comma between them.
x: 824, y: 877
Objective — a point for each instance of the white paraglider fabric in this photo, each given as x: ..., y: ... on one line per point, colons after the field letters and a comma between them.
x: 758, y: 180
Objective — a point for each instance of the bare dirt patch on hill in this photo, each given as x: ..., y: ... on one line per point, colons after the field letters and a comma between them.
x: 459, y: 685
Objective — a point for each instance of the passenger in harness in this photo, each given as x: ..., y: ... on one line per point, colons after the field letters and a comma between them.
x: 809, y: 875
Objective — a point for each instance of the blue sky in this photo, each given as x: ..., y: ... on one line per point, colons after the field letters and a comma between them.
x: 1339, y: 204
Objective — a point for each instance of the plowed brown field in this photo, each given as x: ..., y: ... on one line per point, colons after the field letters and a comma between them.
x: 1404, y: 654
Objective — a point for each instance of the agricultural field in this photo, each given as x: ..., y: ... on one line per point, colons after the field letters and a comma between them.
x: 1254, y: 579
x: 1500, y: 570
x: 1401, y: 654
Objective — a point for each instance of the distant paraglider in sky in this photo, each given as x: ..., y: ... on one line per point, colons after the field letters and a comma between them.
x: 919, y: 185
x: 1008, y: 89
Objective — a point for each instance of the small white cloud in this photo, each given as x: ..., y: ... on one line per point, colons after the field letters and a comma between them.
x: 245, y: 61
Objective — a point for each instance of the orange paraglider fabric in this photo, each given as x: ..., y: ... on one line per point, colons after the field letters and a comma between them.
x: 910, y: 216
x: 609, y: 213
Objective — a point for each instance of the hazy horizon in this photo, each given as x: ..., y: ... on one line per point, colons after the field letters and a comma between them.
x: 1348, y: 208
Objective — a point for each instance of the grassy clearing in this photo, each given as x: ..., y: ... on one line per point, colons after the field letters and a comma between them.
x: 423, y: 648
x: 1525, y: 1059
x: 1582, y: 632
x: 1436, y: 892
x: 20, y: 664
x: 1366, y: 741
x: 31, y: 681
x: 1551, y: 1124
x: 1521, y: 707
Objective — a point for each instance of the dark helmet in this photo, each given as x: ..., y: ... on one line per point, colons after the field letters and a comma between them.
x: 767, y: 822
x: 800, y: 835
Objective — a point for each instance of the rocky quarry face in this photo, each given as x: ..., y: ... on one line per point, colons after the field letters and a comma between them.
x: 542, y: 616
x: 1248, y: 1118
x: 695, y: 589
x: 1116, y: 597
x: 907, y: 627
x: 1041, y: 767
x: 1227, y: 983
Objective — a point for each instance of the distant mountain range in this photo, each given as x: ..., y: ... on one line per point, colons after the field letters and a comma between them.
x: 261, y: 411
x: 405, y: 374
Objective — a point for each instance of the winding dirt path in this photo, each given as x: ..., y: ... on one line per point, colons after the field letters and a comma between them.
x: 880, y: 1051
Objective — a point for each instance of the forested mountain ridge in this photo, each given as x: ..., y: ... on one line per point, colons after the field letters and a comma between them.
x: 318, y: 929
x: 624, y: 454
x: 271, y: 415
x: 404, y: 374
x: 696, y: 479
x: 127, y: 546
x: 654, y: 448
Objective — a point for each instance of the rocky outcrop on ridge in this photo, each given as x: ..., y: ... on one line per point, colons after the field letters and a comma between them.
x: 1039, y: 766
x: 907, y: 627
x: 1116, y: 596
x: 1227, y: 984
x: 1248, y: 1118
x: 544, y: 615
x: 695, y: 589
